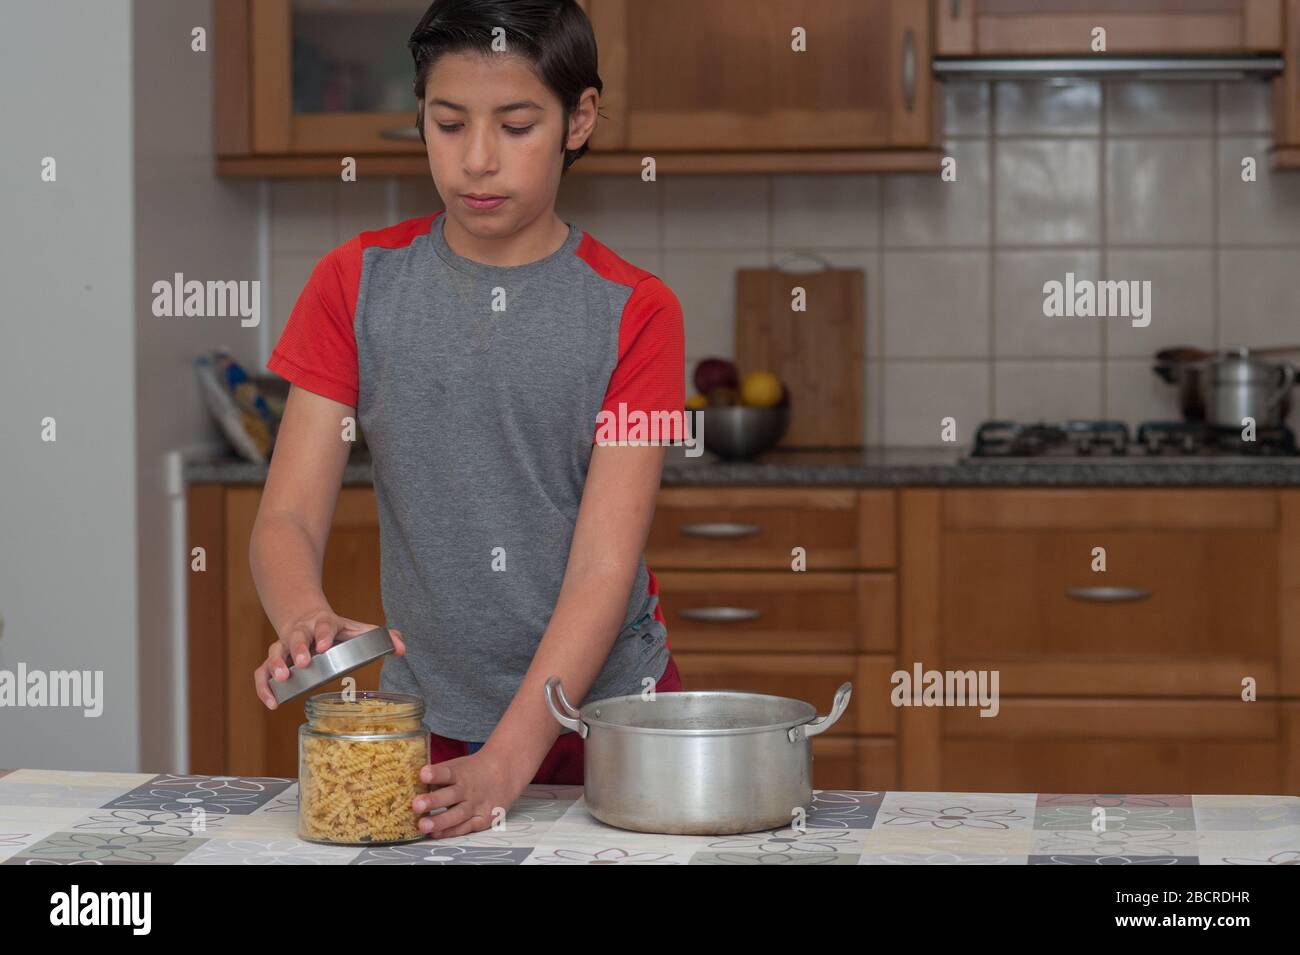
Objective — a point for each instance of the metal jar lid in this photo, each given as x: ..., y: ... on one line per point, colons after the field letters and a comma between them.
x: 343, y: 657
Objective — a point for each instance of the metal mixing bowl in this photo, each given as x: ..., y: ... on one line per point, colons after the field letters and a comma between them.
x: 739, y: 433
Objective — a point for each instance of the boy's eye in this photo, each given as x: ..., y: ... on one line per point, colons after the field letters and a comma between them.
x: 513, y: 130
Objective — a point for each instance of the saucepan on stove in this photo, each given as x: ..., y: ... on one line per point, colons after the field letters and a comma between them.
x: 1223, y: 388
x: 696, y: 763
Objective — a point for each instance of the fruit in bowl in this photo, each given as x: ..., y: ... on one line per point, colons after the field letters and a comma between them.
x: 746, y: 415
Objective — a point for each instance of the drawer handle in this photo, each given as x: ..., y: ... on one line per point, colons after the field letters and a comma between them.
x: 1107, y: 594
x: 720, y: 614
x: 717, y: 530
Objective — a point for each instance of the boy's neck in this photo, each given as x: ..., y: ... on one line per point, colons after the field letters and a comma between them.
x: 536, y: 240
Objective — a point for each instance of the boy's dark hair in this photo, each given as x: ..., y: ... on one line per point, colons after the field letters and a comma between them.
x: 554, y: 35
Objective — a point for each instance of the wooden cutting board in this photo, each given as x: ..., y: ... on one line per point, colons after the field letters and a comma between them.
x: 818, y: 352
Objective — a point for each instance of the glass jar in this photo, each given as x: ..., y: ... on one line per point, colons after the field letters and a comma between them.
x: 359, y: 762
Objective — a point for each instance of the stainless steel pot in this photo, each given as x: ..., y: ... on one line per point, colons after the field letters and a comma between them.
x: 1244, y: 387
x: 696, y: 763
x: 1222, y: 389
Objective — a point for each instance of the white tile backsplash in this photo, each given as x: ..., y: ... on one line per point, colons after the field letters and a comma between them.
x: 1244, y: 107
x: 1021, y: 330
x: 623, y: 212
x: 1052, y: 108
x: 1134, y: 393
x: 954, y: 270
x: 1135, y: 108
x: 936, y: 304
x: 716, y: 212
x: 1258, y: 303
x: 1263, y: 212
x: 1047, y: 390
x: 918, y: 395
x: 1160, y: 191
x: 1181, y: 303
x: 826, y: 211
x: 1047, y: 192
x: 923, y: 211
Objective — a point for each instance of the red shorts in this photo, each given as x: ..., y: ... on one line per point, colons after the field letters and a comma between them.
x: 563, y: 764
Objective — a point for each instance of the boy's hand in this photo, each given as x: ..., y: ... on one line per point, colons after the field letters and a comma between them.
x: 471, y: 788
x: 323, y: 626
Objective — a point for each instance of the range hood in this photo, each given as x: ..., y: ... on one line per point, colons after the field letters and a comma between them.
x: 1106, y: 66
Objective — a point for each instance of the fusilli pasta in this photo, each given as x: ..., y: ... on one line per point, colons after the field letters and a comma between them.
x: 360, y: 791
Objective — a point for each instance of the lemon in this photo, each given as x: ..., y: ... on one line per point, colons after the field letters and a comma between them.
x: 760, y: 389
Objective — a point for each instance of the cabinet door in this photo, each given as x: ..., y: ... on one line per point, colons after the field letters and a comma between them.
x: 1018, y: 27
x: 1286, y: 90
x: 1116, y: 746
x: 331, y: 76
x: 706, y: 528
x: 262, y: 742
x: 724, y: 75
x: 1186, y: 602
x: 1126, y: 680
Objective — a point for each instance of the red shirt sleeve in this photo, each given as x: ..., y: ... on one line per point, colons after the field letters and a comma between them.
x: 651, y: 372
x: 318, y: 348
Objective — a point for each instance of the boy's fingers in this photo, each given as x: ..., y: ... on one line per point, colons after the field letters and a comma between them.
x: 263, y: 691
x: 296, y: 641
x: 399, y: 646
x: 439, y: 824
x: 439, y: 798
x: 324, y: 634
x: 275, y: 665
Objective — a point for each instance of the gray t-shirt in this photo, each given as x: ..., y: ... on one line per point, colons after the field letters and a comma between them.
x: 478, y: 389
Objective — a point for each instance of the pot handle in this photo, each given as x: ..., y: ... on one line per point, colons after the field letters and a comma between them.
x: 569, y: 717
x: 822, y: 723
x: 1288, y: 382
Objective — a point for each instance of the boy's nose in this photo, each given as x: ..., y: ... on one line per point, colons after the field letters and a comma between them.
x: 480, y: 155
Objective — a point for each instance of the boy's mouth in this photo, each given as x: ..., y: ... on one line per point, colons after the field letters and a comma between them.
x: 481, y: 200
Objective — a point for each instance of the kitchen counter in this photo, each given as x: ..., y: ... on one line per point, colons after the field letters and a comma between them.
x: 902, y: 467
x: 61, y: 817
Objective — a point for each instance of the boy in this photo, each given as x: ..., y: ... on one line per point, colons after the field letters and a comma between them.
x: 477, y: 348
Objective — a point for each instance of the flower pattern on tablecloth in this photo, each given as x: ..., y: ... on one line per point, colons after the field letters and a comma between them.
x: 133, y: 819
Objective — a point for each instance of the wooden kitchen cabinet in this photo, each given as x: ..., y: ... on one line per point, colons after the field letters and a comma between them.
x: 1286, y: 94
x: 1027, y: 27
x: 741, y: 618
x: 315, y: 77
x: 705, y: 88
x: 722, y: 75
x: 231, y: 730
x: 1127, y: 689
x: 707, y: 528
x: 815, y: 631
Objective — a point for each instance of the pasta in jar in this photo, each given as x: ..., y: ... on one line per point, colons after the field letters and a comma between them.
x: 359, y: 763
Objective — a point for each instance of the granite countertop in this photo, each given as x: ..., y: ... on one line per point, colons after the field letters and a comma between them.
x: 899, y: 467
x: 92, y: 818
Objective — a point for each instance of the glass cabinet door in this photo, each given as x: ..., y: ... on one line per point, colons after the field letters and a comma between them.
x: 334, y: 76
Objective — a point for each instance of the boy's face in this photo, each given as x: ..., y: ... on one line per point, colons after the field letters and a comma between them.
x: 492, y: 128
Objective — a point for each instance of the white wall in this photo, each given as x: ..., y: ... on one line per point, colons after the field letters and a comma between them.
x: 67, y: 508
x: 90, y: 570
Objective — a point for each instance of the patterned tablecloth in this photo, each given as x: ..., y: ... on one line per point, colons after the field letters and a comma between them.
x: 89, y: 818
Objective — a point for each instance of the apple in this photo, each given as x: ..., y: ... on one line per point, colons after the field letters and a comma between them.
x: 711, y: 373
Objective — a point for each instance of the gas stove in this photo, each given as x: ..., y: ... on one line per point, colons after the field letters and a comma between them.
x: 1113, y: 441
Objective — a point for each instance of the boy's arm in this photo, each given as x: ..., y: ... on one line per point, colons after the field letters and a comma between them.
x: 287, y: 546
x: 618, y: 503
